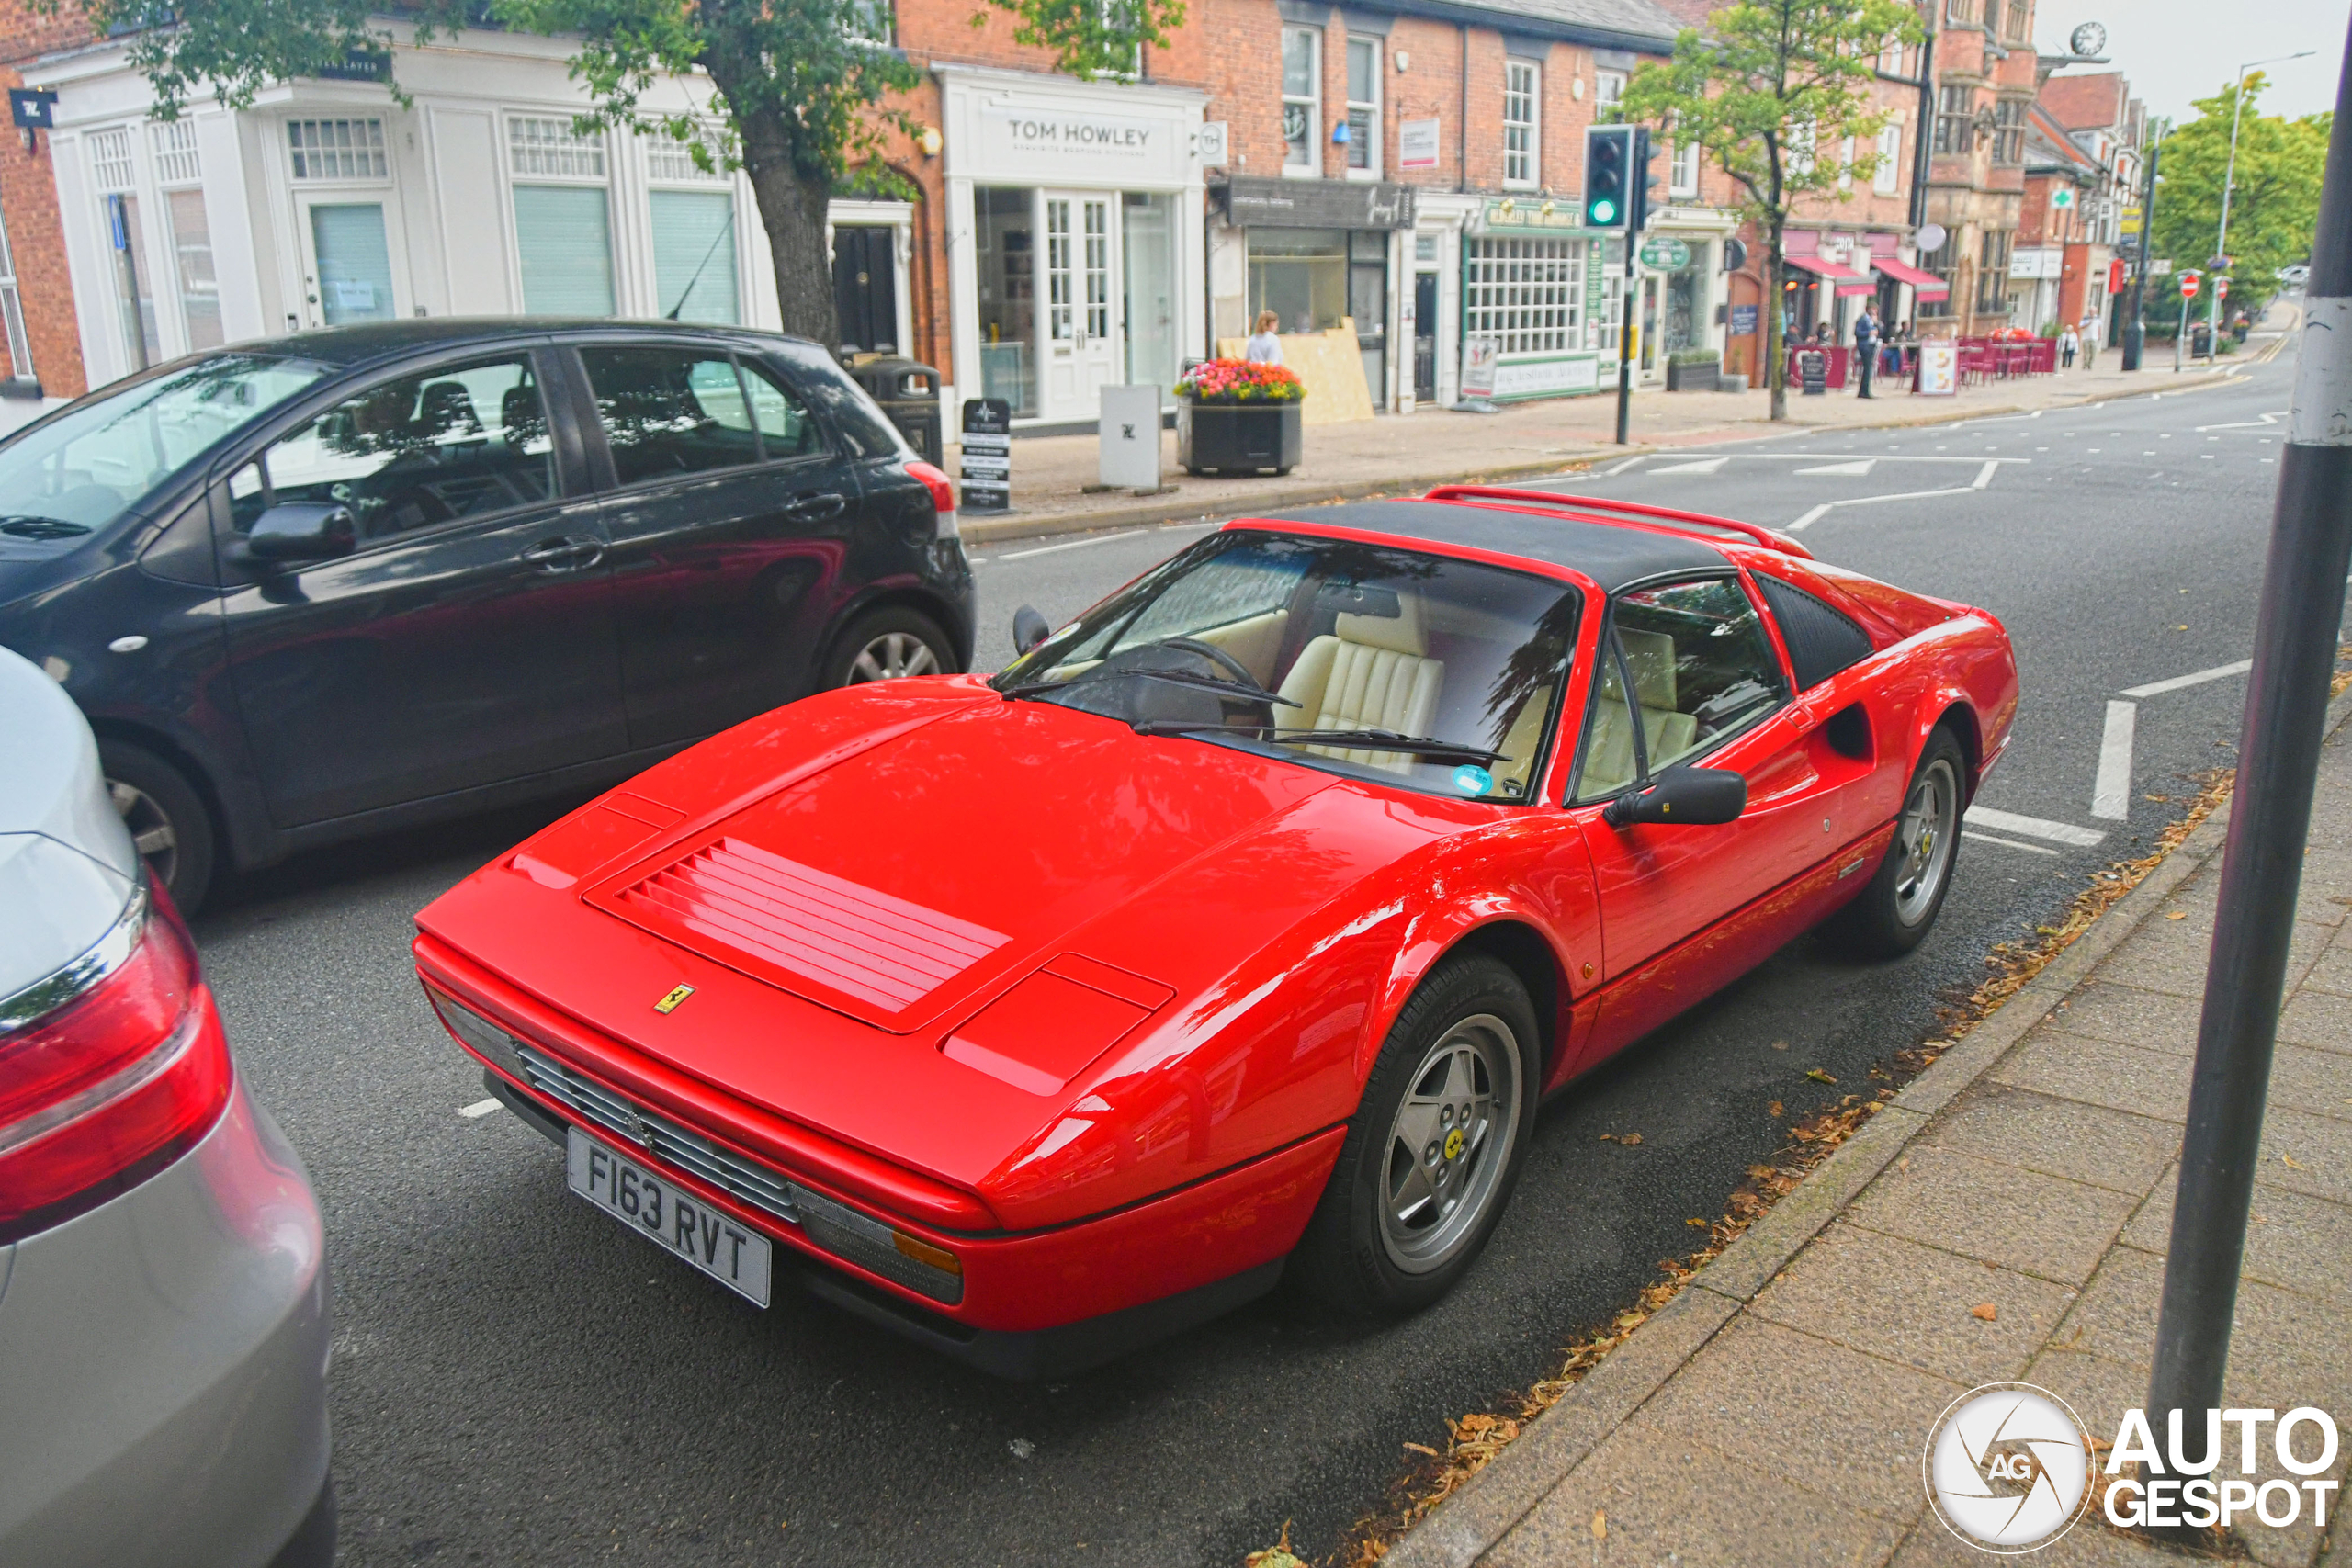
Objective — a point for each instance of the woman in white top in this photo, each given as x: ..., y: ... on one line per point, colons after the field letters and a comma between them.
x: 1264, y: 347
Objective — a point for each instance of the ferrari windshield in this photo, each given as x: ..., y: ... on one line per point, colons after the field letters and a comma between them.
x: 1421, y: 669
x: 78, y: 471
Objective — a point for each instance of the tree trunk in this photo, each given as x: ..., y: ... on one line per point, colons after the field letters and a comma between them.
x: 791, y: 210
x: 1776, y: 354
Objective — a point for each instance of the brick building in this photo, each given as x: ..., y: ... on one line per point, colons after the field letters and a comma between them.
x: 2103, y: 130
x: 1987, y: 76
x: 38, y: 327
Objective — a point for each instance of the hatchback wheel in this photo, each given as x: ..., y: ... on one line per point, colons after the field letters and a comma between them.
x: 1435, y: 1148
x: 167, y: 818
x: 890, y: 645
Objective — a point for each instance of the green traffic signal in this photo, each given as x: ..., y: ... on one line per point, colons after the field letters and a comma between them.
x: 1604, y: 212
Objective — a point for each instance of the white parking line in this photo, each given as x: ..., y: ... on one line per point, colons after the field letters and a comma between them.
x: 2219, y: 672
x: 2258, y: 423
x: 1975, y: 834
x: 2111, y: 792
x: 1703, y: 466
x: 477, y: 1110
x: 1859, y: 468
x: 1097, y: 539
x: 1807, y: 521
x: 2033, y: 827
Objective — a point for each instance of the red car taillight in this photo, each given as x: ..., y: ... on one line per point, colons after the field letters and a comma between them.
x: 943, y: 493
x: 113, y: 1083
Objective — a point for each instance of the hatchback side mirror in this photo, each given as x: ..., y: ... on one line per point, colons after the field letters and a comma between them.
x: 1691, y: 797
x: 304, y: 530
x: 1029, y: 629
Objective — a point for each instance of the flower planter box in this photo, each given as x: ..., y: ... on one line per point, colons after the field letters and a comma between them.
x: 1237, y: 438
x: 1704, y: 377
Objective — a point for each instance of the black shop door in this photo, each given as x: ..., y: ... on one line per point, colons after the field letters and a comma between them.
x: 865, y: 289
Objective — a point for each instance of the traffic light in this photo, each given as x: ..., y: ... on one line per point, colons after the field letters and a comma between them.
x: 1638, y: 182
x: 1607, y: 198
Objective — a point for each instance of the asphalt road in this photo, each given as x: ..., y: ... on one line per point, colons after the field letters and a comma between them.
x: 519, y: 1380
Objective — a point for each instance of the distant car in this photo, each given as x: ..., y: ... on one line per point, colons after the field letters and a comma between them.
x: 162, y: 1288
x: 2295, y: 277
x: 370, y: 576
x: 1237, y: 927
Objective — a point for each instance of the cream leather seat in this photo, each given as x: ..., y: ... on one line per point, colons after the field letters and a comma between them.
x: 1667, y: 733
x: 1371, y: 672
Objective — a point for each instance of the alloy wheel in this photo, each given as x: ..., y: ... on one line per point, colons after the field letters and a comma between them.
x: 893, y: 656
x: 1925, y: 838
x: 150, y: 828
x: 1449, y: 1144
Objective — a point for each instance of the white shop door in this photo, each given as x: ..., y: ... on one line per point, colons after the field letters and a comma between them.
x: 1082, y: 347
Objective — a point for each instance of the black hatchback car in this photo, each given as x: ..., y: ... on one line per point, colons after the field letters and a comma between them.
x: 364, y: 578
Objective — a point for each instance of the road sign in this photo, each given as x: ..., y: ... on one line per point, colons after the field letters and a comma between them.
x: 2160, y: 266
x: 1663, y: 253
x: 2188, y: 281
x: 2221, y: 289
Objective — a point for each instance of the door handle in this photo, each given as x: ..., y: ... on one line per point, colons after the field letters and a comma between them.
x: 816, y: 507
x: 565, y: 554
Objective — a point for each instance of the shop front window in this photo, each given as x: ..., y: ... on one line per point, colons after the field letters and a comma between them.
x: 1528, y: 294
x: 1301, y: 275
x: 1686, y: 303
x: 1004, y: 241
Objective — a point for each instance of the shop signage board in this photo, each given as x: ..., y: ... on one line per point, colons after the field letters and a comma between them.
x: 2040, y: 262
x: 1479, y: 354
x: 988, y: 455
x: 1938, y: 367
x: 1416, y: 144
x: 1550, y: 377
x: 1252, y: 202
x: 1743, y: 321
x: 1812, y: 372
x: 1512, y: 213
x: 1663, y: 253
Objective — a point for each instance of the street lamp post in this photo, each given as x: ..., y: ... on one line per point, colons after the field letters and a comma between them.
x: 2229, y: 181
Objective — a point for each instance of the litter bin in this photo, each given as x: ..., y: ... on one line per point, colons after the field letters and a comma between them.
x: 909, y: 393
x: 2200, y: 340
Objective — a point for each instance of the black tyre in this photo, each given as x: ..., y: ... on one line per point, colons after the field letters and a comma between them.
x: 1897, y: 910
x: 1434, y: 1149
x: 888, y: 645
x: 168, y: 821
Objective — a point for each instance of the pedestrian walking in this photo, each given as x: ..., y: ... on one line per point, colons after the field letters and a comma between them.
x: 1264, y: 347
x: 1866, y: 348
x: 2067, y: 342
x: 2090, y: 342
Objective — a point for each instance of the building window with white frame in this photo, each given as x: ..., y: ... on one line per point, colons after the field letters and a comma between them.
x: 1887, y: 178
x: 180, y: 171
x: 692, y: 213
x: 336, y: 150
x: 1608, y: 87
x: 563, y: 233
x: 1682, y: 168
x: 1302, y: 100
x: 12, y: 313
x: 115, y: 177
x: 1527, y: 294
x: 1522, y: 130
x: 1363, y: 107
x: 1846, y: 165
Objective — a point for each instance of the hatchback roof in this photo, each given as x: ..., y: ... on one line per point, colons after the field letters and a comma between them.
x: 1612, y: 555
x: 367, y: 341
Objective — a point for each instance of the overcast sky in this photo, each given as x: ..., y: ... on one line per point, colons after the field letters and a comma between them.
x: 2169, y: 51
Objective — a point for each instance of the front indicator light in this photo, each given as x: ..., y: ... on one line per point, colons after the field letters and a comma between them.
x: 898, y: 1257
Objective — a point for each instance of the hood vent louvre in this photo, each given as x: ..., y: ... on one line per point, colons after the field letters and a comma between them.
x: 732, y: 901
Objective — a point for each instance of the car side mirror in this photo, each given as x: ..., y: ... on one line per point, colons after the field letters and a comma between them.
x: 1029, y: 629
x: 1694, y: 797
x: 304, y: 530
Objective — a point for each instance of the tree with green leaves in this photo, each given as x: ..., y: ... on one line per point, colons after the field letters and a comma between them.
x: 1768, y: 90
x: 2274, y: 206
x: 801, y: 90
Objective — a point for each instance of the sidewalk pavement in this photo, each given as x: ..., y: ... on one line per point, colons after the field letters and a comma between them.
x: 1775, y: 1411
x: 1409, y: 452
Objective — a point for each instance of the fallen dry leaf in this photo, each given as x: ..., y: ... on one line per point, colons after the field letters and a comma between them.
x: 1985, y: 1311
x: 1599, y: 1525
x: 1818, y: 1075
x: 2160, y: 799
x: 1780, y: 1044
x: 1774, y: 1109
x: 2291, y: 1162
x: 1276, y: 1556
x: 1630, y: 1138
x: 1700, y: 1223
x: 2176, y: 915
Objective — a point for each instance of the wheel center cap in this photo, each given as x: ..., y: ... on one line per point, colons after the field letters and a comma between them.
x: 1453, y: 1144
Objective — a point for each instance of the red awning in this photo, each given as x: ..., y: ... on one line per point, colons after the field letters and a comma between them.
x: 1929, y: 286
x: 1820, y: 268
x: 1863, y: 284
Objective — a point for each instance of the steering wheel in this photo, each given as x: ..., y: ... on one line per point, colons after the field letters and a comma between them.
x: 1215, y: 655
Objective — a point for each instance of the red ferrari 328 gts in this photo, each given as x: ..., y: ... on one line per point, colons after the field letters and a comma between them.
x: 1234, y: 930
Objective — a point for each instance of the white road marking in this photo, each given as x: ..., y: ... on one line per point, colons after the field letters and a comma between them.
x: 2255, y: 423
x: 1613, y: 473
x: 2111, y: 793
x: 1984, y: 475
x: 2033, y: 827
x: 477, y: 1110
x: 1975, y: 836
x: 2219, y: 672
x: 1098, y: 539
x: 1863, y: 467
x: 1703, y: 466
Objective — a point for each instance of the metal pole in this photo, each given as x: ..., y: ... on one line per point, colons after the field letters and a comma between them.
x: 2222, y: 245
x: 2279, y: 747
x: 2135, y: 330
x: 1625, y: 345
x: 2179, y: 332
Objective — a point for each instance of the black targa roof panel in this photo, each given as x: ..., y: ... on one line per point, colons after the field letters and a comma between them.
x: 1612, y: 556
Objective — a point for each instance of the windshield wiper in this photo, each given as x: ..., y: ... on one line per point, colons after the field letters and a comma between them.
x: 1174, y: 677
x: 43, y: 528
x: 1346, y: 740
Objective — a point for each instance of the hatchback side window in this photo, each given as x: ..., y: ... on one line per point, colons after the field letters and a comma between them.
x: 412, y: 452
x: 1701, y: 668
x: 668, y: 411
x: 785, y: 430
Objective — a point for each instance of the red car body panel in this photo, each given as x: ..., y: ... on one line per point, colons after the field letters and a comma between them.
x: 1090, y: 1009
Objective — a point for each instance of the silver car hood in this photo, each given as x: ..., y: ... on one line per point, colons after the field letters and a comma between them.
x: 67, y: 865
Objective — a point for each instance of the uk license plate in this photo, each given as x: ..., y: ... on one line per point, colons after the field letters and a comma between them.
x: 672, y: 1218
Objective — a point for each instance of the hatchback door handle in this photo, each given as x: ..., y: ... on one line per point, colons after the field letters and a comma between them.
x: 817, y: 507
x: 565, y: 554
